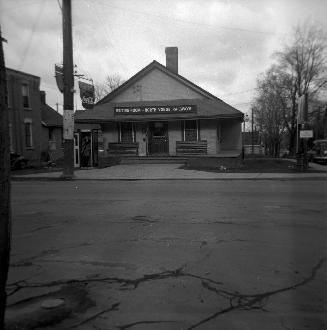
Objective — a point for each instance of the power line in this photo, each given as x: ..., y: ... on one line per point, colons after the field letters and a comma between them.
x: 241, y: 92
x: 59, y: 4
x: 106, y: 35
x: 29, y: 41
x: 13, y: 8
x: 151, y: 15
x: 244, y: 103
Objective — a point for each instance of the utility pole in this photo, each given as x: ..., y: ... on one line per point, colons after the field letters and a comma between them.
x: 252, y: 142
x: 5, y: 208
x: 68, y: 78
x: 302, y: 123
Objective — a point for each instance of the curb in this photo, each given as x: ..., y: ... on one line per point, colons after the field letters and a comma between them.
x: 258, y: 178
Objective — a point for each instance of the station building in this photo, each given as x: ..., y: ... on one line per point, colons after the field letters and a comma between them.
x: 158, y: 112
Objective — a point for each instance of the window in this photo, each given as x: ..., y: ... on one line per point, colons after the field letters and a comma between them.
x: 26, y: 95
x: 28, y: 134
x: 127, y: 132
x: 191, y: 130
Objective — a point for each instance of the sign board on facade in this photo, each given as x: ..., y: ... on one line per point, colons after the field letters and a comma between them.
x: 68, y: 117
x: 306, y: 133
x: 144, y: 110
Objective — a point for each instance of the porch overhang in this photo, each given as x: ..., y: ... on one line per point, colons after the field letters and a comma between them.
x: 201, y: 109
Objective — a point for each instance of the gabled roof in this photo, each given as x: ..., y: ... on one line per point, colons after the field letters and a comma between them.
x: 154, y: 65
x: 206, y: 108
x: 50, y: 117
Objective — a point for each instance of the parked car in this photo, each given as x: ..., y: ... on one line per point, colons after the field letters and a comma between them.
x: 17, y: 161
x: 318, y: 153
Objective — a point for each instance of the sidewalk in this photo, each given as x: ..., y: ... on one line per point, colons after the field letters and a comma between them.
x: 170, y: 172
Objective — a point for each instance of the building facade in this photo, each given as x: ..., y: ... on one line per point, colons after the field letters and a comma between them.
x: 158, y: 112
x: 33, y: 125
x: 24, y: 114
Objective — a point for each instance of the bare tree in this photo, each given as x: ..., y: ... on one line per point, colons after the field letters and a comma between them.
x: 111, y: 83
x: 268, y: 109
x: 305, y: 59
x: 306, y: 62
x: 301, y: 68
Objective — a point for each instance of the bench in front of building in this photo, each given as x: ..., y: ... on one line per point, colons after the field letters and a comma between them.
x: 130, y: 148
x: 191, y: 147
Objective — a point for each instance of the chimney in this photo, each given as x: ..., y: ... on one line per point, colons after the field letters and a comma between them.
x: 172, y: 59
x: 42, y: 96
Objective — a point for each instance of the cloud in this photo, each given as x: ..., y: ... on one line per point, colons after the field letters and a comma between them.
x: 223, y: 44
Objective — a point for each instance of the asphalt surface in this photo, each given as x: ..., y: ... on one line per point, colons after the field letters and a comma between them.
x: 173, y: 254
x: 172, y: 172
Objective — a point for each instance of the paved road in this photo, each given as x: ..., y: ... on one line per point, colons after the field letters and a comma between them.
x: 176, y: 254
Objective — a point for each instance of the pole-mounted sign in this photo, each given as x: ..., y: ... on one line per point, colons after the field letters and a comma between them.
x: 59, y: 77
x: 306, y: 133
x: 68, y: 117
x: 87, y: 94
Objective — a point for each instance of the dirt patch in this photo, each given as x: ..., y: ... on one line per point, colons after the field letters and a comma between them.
x: 251, y: 165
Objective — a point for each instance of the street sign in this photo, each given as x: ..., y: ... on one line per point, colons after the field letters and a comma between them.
x: 306, y: 133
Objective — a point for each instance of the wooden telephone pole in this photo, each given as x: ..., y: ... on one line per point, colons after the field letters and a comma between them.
x: 68, y: 78
x: 5, y: 209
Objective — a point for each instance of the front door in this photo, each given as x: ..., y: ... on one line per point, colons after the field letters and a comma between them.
x: 158, y: 138
x: 76, y: 150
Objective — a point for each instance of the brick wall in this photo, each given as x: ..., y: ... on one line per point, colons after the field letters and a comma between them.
x: 18, y: 115
x: 45, y: 148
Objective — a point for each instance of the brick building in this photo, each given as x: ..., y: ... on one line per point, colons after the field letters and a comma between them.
x: 30, y: 125
x: 159, y: 112
x: 51, y: 132
x: 24, y: 114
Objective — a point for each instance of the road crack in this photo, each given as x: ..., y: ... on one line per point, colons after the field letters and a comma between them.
x: 239, y: 301
x: 130, y: 325
x: 236, y: 300
x: 113, y: 307
x: 125, y: 284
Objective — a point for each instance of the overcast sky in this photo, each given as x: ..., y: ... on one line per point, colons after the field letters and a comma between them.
x: 223, y: 44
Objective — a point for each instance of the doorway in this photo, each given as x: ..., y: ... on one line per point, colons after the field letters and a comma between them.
x: 77, y: 162
x: 158, y: 138
x: 85, y: 149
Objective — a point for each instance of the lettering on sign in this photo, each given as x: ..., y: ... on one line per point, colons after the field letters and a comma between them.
x: 144, y: 110
x: 306, y: 134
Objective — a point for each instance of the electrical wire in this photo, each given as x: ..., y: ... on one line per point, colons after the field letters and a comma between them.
x: 241, y: 92
x: 163, y: 17
x: 29, y: 41
x: 106, y: 34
